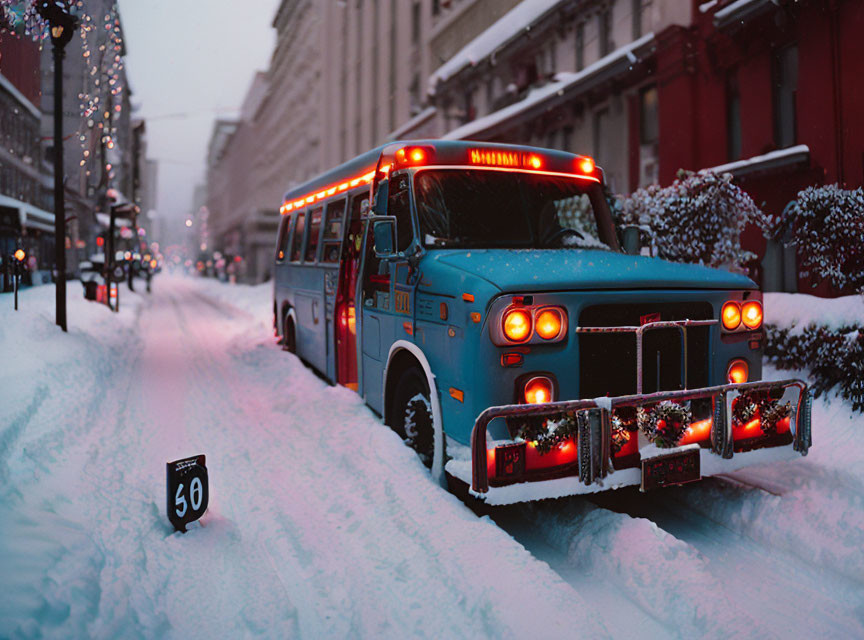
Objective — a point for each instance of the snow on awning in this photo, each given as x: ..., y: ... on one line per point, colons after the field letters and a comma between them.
x: 565, y: 83
x: 510, y: 25
x: 773, y: 160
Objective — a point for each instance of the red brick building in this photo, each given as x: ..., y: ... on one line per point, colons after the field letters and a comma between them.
x: 770, y: 92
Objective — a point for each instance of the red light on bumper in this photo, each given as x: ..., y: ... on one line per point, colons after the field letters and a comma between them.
x: 538, y: 390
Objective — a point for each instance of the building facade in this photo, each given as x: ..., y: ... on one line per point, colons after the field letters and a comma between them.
x: 342, y: 77
x: 769, y: 92
x: 26, y: 202
x: 759, y: 88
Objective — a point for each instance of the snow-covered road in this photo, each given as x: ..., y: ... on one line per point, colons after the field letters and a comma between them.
x: 322, y: 524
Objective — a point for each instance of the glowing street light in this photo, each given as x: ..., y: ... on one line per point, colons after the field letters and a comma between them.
x: 57, y: 13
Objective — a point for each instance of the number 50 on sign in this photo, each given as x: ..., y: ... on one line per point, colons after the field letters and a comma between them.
x: 187, y: 491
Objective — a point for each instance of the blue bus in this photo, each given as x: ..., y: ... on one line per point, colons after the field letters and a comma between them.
x: 483, y: 300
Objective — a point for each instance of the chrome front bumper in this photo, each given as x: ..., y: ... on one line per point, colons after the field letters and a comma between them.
x: 594, y: 471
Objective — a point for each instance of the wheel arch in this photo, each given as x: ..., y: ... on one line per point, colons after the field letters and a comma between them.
x: 402, y: 355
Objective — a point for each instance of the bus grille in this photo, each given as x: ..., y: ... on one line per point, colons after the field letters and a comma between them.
x: 607, y: 361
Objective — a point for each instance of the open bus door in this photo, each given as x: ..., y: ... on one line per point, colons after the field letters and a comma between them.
x: 346, y: 310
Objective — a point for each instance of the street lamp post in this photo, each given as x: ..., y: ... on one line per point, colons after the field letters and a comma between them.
x: 62, y: 25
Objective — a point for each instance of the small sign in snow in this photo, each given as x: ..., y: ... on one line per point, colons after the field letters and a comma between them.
x: 187, y: 491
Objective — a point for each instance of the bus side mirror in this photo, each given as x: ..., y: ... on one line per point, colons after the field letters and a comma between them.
x: 384, y: 234
x: 636, y: 238
x: 379, y: 206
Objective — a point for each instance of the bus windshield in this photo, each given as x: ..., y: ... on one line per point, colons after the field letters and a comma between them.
x: 460, y: 208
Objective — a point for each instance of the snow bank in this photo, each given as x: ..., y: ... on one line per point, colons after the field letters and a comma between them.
x: 799, y: 310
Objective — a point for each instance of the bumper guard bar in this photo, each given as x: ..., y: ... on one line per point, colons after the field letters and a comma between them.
x: 594, y: 424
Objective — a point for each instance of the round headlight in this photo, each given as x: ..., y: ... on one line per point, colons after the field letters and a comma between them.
x: 548, y: 323
x: 751, y: 314
x: 517, y: 325
x: 731, y: 315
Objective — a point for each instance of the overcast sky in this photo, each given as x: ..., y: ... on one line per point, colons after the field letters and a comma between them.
x: 189, y: 61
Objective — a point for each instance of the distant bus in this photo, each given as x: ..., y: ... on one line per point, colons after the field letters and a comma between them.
x: 478, y: 298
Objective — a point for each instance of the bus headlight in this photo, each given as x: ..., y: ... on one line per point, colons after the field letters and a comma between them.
x: 549, y: 322
x: 517, y: 325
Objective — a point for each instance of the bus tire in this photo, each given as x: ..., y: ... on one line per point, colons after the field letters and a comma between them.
x: 411, y: 414
x: 289, y: 340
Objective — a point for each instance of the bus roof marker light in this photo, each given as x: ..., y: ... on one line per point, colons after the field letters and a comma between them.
x: 586, y: 165
x: 534, y: 161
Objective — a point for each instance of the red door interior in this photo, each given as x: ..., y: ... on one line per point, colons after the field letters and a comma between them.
x: 346, y: 331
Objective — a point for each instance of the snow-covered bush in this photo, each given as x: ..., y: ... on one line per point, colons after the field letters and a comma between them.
x: 827, y: 223
x: 698, y: 218
x: 835, y: 357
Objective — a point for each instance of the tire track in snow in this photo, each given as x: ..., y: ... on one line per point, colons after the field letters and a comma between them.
x: 784, y: 594
x: 356, y: 520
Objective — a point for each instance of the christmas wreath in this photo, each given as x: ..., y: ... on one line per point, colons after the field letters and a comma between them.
x: 665, y: 423
x: 547, y: 433
x: 759, y: 404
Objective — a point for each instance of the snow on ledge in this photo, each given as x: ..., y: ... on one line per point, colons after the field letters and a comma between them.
x: 738, y: 9
x: 780, y: 157
x: 417, y: 120
x: 563, y: 81
x: 508, y: 26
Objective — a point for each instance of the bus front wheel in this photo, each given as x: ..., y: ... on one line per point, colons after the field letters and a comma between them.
x: 411, y: 414
x: 289, y: 342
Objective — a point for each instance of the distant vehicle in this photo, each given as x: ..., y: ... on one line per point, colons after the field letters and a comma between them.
x: 477, y: 297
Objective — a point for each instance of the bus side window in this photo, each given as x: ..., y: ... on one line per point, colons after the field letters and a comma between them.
x: 398, y: 204
x: 333, y: 231
x: 281, y: 245
x: 314, y: 232
x: 297, y: 241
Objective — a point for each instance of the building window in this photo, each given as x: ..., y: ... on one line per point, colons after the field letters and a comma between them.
x: 566, y: 138
x: 604, y: 28
x: 414, y: 94
x: 436, y: 7
x: 580, y: 46
x: 649, y: 134
x: 637, y: 18
x: 733, y: 117
x: 784, y: 74
x: 415, y: 24
x: 468, y: 102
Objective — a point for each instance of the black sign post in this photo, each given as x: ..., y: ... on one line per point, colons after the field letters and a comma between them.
x: 187, y: 491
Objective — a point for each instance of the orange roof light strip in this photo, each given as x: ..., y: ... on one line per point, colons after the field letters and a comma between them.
x: 497, y: 158
x: 327, y: 192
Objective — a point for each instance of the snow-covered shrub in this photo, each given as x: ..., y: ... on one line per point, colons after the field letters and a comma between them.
x: 698, y: 218
x: 827, y: 223
x: 835, y: 357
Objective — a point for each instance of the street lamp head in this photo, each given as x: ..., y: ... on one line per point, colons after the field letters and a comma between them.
x: 60, y: 20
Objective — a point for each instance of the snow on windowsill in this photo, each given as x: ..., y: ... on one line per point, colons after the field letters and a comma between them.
x: 757, y: 162
x: 563, y: 80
